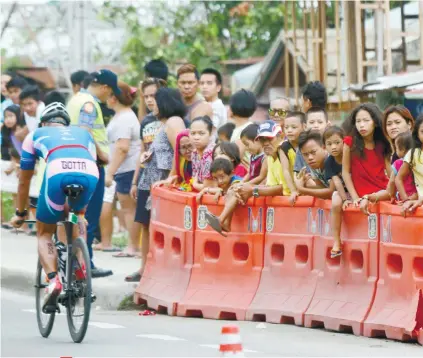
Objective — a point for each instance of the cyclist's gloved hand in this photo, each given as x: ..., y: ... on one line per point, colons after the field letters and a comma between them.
x: 17, y: 221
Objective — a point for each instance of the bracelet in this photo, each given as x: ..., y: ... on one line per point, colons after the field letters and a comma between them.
x: 134, y: 184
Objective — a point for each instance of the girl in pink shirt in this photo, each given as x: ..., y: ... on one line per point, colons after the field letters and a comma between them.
x: 202, y: 156
x: 408, y: 191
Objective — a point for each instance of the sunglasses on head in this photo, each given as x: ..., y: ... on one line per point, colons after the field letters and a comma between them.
x: 279, y: 112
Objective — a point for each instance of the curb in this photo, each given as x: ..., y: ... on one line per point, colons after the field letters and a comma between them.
x: 109, y: 294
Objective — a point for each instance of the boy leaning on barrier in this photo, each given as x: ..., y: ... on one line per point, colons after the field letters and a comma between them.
x: 311, y: 146
x: 222, y: 171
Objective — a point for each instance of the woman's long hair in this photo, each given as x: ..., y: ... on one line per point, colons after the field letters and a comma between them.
x: 417, y: 143
x: 378, y: 135
x: 20, y: 121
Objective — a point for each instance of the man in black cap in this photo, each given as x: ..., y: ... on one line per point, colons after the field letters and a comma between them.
x: 84, y: 111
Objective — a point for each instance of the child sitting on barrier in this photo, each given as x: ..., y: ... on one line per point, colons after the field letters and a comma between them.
x: 224, y: 133
x: 223, y: 173
x: 257, y: 173
x: 230, y: 151
x: 294, y: 125
x: 406, y: 189
x: 225, y: 150
x: 270, y: 136
x: 311, y: 147
x: 258, y: 166
x: 413, y: 161
x: 366, y: 157
x: 333, y: 139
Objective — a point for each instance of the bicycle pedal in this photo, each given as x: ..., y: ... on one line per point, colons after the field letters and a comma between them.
x: 93, y: 297
x: 50, y: 309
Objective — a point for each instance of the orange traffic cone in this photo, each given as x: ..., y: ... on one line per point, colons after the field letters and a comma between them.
x: 231, y: 345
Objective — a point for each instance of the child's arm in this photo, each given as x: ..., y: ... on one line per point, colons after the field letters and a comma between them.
x: 288, y: 177
x: 399, y: 180
x: 346, y: 174
x: 318, y: 192
x: 262, y: 176
x: 246, y: 179
x: 207, y: 190
x: 11, y: 168
x: 208, y: 183
x: 339, y: 187
x: 388, y: 167
x: 391, y: 186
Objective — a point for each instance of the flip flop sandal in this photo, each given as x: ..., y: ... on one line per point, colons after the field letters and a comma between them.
x: 214, y: 223
x: 335, y: 253
x: 123, y: 255
x: 6, y: 226
x: 135, y: 277
x: 111, y: 249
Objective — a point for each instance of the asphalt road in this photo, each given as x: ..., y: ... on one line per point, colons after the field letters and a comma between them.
x: 126, y: 334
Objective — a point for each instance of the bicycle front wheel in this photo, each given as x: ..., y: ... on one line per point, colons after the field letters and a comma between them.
x: 45, y: 321
x: 79, y: 291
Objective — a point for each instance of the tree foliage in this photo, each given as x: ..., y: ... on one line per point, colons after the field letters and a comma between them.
x: 200, y: 32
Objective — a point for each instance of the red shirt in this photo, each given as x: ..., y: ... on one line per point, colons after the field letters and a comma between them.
x: 240, y: 171
x: 368, y: 173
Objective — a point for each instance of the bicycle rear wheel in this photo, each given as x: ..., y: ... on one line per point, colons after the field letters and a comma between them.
x: 79, y: 291
x: 45, y: 321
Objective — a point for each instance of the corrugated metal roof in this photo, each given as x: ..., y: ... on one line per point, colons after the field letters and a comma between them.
x: 397, y: 81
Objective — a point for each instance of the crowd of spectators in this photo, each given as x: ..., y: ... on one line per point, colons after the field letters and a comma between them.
x: 187, y: 139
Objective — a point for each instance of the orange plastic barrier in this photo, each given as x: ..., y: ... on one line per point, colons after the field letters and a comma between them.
x: 287, y: 282
x: 346, y: 285
x: 170, y: 257
x: 397, y: 311
x: 226, y: 271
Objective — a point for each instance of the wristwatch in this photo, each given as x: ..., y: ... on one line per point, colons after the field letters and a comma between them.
x: 256, y: 192
x: 366, y: 197
x: 21, y: 214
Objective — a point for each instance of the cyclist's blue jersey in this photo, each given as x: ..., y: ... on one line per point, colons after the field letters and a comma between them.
x: 70, y: 156
x: 69, y: 145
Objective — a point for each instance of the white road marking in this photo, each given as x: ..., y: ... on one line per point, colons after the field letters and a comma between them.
x: 105, y: 325
x: 32, y: 310
x: 217, y: 346
x: 163, y: 337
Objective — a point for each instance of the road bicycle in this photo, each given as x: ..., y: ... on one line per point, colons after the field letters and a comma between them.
x: 77, y: 291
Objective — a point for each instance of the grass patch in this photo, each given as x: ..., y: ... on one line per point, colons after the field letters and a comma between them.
x: 8, y: 206
x: 127, y: 304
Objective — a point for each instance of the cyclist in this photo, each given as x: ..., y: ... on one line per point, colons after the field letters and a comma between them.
x: 70, y: 156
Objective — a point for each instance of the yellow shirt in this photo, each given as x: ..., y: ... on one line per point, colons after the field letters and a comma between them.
x: 275, y: 175
x: 291, y: 154
x: 417, y: 168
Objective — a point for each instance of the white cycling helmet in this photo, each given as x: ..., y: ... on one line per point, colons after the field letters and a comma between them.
x: 55, y: 113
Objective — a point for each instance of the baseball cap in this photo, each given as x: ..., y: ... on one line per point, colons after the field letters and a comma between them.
x: 108, y: 78
x: 269, y: 129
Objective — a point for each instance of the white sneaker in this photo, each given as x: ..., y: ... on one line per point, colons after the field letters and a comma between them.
x: 52, y: 293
